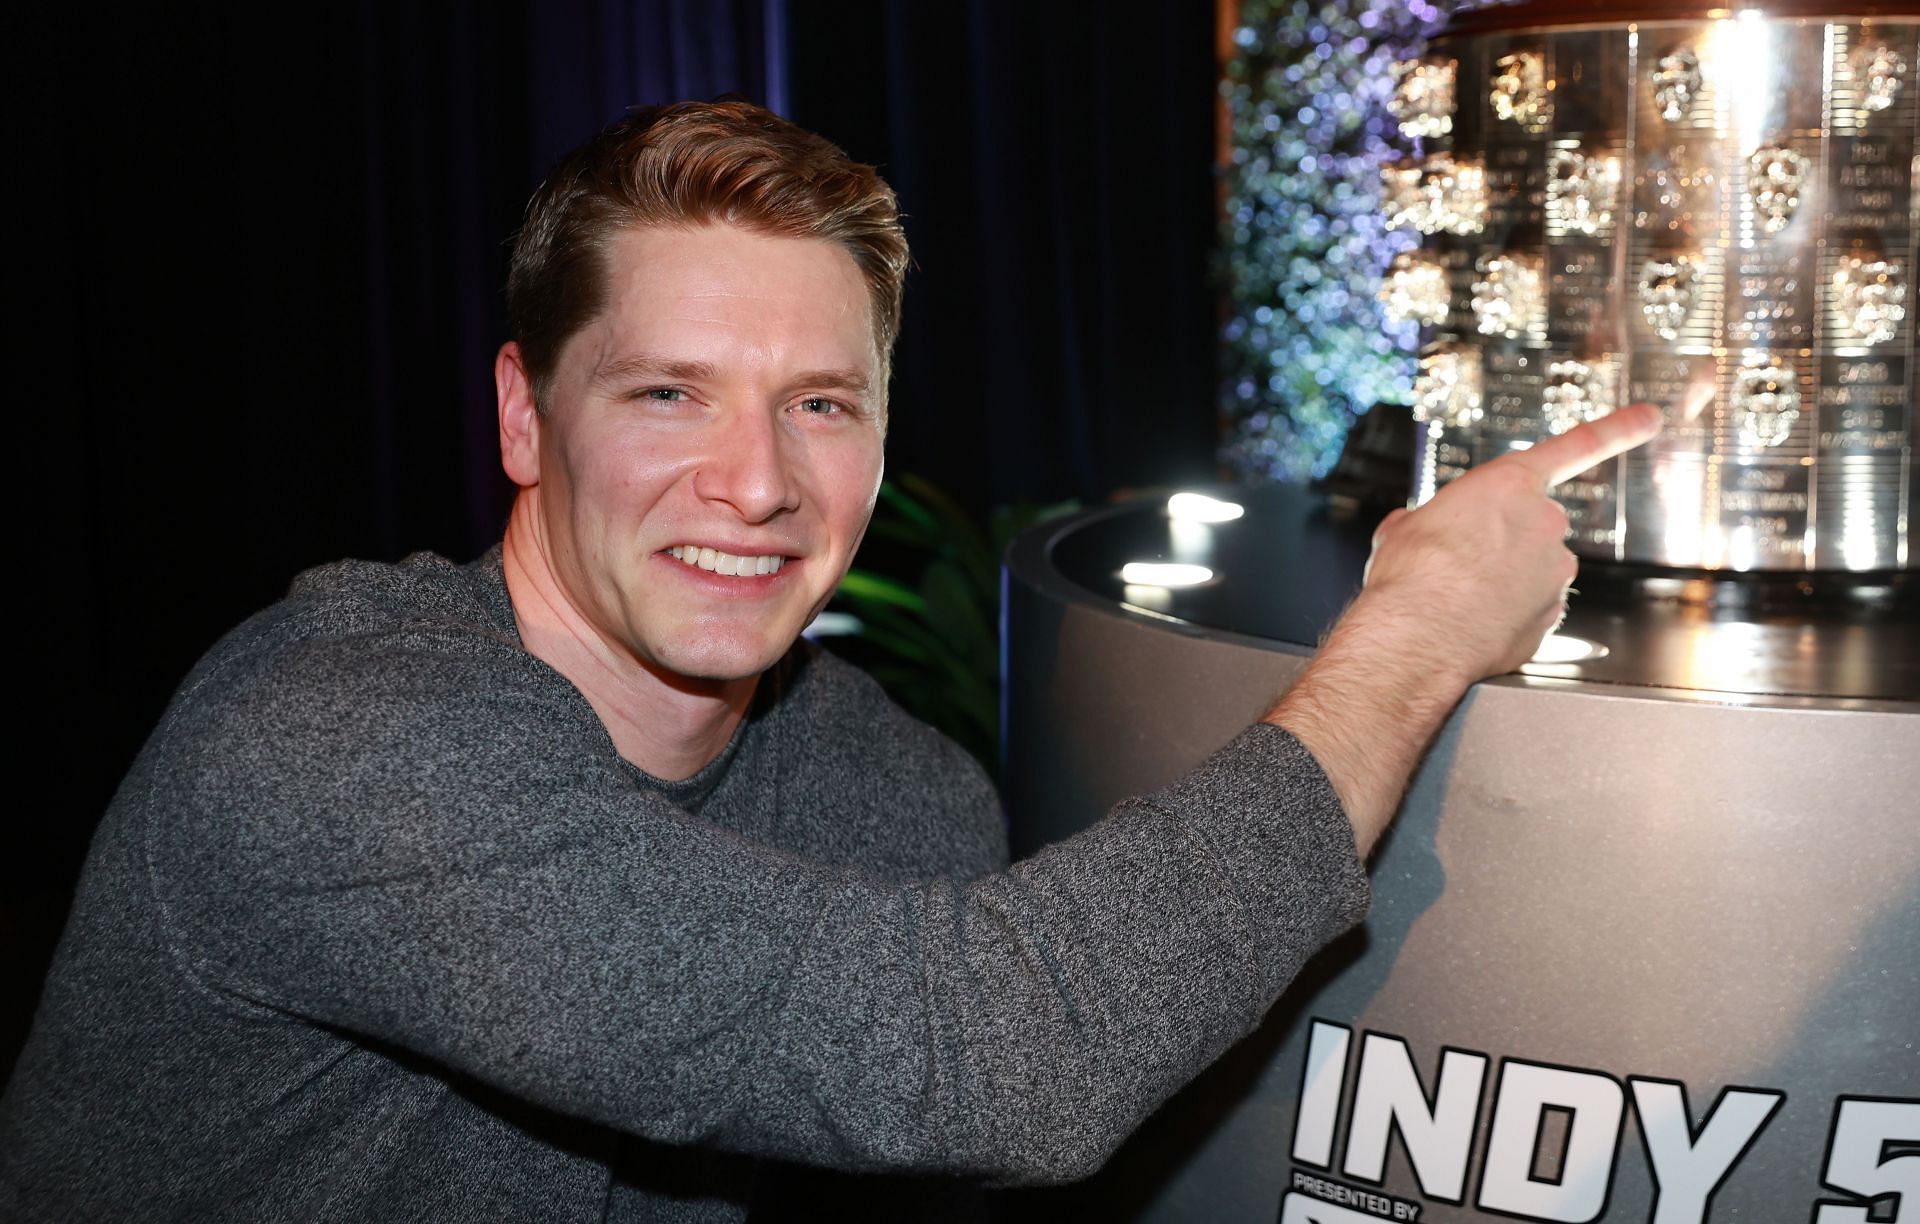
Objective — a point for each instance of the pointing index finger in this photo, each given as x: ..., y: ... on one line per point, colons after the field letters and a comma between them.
x: 1557, y: 459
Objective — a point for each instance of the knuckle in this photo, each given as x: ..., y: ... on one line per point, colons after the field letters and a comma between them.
x: 1387, y: 525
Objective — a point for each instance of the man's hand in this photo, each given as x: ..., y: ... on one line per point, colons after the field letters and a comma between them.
x: 1464, y: 587
x: 1484, y: 566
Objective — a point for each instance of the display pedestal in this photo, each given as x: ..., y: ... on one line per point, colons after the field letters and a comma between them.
x: 1681, y: 878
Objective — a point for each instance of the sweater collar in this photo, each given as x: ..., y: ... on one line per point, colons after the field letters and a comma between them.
x: 689, y: 794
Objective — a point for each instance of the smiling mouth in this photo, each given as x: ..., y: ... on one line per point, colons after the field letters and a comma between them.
x: 726, y: 564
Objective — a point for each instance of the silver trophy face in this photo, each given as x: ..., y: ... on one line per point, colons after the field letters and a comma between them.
x: 1716, y: 216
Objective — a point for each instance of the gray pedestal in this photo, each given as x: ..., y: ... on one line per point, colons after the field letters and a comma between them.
x: 1610, y: 912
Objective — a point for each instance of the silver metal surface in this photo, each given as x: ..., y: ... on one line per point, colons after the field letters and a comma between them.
x: 1715, y: 216
x: 1592, y: 893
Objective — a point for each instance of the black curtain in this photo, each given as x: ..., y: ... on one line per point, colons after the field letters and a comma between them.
x: 592, y: 59
x: 256, y: 295
x: 255, y: 304
x: 1055, y: 163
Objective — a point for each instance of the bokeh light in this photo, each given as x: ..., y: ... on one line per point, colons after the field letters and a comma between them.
x: 1307, y: 347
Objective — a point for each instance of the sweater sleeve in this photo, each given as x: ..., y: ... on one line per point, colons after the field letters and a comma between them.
x: 423, y: 842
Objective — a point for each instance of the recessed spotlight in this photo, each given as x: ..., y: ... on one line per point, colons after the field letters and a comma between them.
x: 1164, y: 574
x: 1563, y: 648
x: 1199, y: 508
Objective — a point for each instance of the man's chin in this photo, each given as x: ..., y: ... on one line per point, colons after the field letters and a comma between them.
x: 720, y: 662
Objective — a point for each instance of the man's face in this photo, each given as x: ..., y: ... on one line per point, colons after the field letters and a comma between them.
x: 712, y: 449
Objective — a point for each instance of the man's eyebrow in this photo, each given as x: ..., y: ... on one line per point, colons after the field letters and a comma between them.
x: 646, y: 365
x: 835, y: 380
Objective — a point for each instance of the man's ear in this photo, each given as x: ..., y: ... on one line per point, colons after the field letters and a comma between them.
x: 519, y: 417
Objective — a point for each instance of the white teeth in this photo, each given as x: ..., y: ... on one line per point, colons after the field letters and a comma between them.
x: 728, y: 564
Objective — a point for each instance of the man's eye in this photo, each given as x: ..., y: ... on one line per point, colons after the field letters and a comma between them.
x: 818, y: 406
x: 664, y: 395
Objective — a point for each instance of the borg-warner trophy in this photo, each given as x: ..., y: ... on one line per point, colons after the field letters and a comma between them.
x: 1717, y: 215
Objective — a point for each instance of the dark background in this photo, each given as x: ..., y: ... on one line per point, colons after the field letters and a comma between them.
x: 257, y: 288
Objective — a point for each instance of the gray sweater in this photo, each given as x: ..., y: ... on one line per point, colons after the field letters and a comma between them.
x: 380, y: 926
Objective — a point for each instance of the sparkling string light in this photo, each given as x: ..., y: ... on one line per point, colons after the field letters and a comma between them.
x: 1307, y: 343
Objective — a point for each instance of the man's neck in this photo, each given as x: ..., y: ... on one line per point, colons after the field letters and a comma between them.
x: 668, y: 725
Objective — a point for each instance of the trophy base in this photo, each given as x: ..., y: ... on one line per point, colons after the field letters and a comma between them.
x: 1751, y: 593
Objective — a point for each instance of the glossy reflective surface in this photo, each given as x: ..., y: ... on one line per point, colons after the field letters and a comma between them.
x: 1286, y: 568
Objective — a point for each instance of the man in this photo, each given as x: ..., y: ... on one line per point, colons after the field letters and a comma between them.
x: 565, y: 885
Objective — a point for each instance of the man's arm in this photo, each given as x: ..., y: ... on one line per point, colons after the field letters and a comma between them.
x: 423, y: 837
x: 1463, y: 588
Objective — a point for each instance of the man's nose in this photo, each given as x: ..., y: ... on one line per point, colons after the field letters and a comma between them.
x: 750, y: 467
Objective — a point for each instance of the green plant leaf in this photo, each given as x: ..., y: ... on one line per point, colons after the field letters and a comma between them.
x: 863, y: 585
x: 963, y: 541
x: 927, y: 644
x: 952, y: 604
x: 930, y: 635
x: 912, y: 513
x: 896, y: 643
